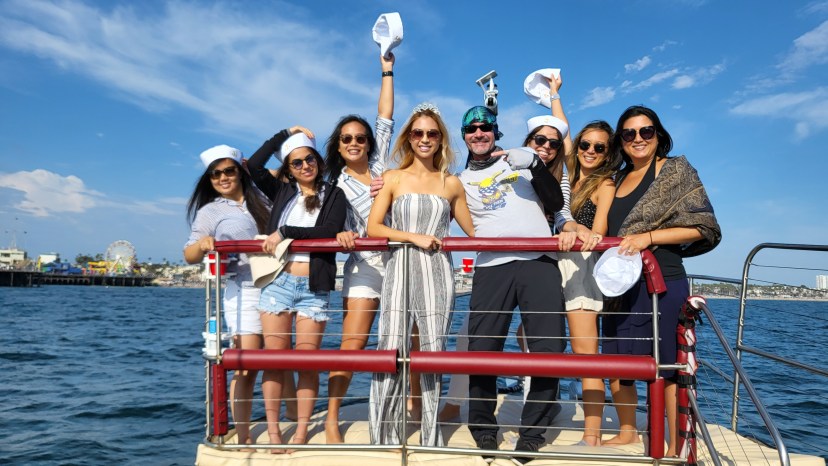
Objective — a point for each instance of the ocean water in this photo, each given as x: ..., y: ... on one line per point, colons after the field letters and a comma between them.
x: 109, y: 375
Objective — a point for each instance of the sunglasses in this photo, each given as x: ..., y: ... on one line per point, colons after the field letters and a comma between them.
x: 646, y: 132
x: 599, y: 147
x: 297, y: 163
x: 417, y: 134
x: 485, y: 127
x: 541, y: 140
x: 347, y: 138
x: 229, y: 172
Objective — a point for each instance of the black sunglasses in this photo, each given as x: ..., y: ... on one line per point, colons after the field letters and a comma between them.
x: 347, y: 138
x: 646, y: 132
x: 471, y: 129
x: 541, y: 140
x: 417, y: 134
x: 297, y: 163
x: 229, y: 172
x: 599, y: 147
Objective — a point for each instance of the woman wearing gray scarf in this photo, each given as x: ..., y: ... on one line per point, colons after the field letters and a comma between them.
x: 659, y: 204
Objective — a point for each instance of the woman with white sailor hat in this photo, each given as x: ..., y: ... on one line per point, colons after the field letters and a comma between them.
x: 225, y: 205
x: 304, y: 207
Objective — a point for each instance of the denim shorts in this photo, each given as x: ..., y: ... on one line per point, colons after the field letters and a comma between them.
x: 291, y: 293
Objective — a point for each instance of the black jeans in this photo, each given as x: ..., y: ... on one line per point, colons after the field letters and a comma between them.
x: 535, y: 287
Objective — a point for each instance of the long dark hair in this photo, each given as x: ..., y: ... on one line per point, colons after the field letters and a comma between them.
x: 665, y: 142
x: 204, y: 193
x: 592, y: 182
x: 555, y: 165
x: 311, y: 202
x: 333, y: 160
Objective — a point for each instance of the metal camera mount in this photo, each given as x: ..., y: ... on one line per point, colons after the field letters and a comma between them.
x: 490, y: 92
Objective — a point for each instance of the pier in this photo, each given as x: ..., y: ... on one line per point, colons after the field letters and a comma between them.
x: 23, y: 278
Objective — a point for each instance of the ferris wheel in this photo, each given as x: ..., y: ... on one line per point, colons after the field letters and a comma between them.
x: 120, y: 256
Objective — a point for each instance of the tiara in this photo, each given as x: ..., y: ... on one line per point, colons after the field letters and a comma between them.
x: 426, y: 106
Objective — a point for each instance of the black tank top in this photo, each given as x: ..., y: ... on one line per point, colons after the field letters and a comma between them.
x: 667, y: 256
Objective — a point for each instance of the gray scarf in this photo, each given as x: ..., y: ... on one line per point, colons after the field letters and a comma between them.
x: 475, y: 165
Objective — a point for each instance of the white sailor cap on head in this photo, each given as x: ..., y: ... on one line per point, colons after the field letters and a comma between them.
x: 220, y: 152
x: 616, y: 273
x: 388, y: 32
x: 294, y: 142
x: 547, y: 120
x: 536, y: 86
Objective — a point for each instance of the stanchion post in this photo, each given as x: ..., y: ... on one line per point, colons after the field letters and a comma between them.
x: 655, y: 418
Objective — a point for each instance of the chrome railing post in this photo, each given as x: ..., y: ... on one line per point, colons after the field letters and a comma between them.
x: 740, y: 329
x: 207, y: 382
x: 404, y: 352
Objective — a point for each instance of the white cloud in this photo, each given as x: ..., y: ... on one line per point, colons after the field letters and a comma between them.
x: 809, y: 49
x: 816, y: 7
x: 639, y: 64
x: 46, y: 193
x: 652, y: 80
x: 697, y: 77
x: 808, y: 110
x: 209, y: 60
x: 598, y: 96
x: 664, y: 45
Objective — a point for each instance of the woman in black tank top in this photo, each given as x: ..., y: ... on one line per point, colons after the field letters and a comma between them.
x: 643, y: 143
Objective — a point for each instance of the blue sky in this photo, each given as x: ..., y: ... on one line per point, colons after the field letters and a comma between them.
x: 106, y: 105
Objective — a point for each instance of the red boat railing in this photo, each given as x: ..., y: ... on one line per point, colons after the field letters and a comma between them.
x: 644, y: 368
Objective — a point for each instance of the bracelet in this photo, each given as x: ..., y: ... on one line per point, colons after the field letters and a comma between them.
x: 554, y: 97
x: 387, y: 73
x: 651, y: 238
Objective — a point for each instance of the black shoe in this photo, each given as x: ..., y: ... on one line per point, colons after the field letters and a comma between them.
x: 487, y: 442
x: 524, y: 446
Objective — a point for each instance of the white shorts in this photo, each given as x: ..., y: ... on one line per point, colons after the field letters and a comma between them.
x: 579, y: 287
x: 363, y: 279
x: 241, y: 313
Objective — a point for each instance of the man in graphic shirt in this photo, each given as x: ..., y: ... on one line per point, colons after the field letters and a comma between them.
x: 506, y: 192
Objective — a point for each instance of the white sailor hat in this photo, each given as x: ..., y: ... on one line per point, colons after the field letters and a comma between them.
x: 388, y: 32
x: 547, y: 120
x: 220, y: 152
x: 297, y: 140
x: 616, y: 273
x: 536, y: 86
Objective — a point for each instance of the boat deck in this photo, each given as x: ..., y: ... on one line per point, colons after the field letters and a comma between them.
x: 733, y: 448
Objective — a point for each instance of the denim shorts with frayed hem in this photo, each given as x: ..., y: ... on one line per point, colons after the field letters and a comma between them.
x: 290, y: 293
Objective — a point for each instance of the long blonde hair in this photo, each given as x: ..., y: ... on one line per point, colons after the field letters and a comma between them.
x: 404, y: 154
x: 592, y: 182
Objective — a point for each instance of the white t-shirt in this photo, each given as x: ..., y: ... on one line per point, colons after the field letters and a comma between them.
x: 503, y: 203
x: 298, y: 216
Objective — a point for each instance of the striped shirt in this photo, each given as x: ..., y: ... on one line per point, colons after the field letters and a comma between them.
x: 225, y: 220
x: 359, y: 195
x: 565, y: 214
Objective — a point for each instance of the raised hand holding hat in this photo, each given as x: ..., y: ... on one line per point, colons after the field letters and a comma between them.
x: 388, y: 32
x: 536, y: 86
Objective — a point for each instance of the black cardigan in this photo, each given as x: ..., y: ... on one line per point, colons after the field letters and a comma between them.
x: 331, y: 218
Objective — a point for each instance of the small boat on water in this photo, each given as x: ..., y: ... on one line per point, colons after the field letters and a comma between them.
x: 703, y: 441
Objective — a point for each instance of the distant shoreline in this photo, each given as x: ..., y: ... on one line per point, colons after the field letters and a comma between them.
x: 767, y: 298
